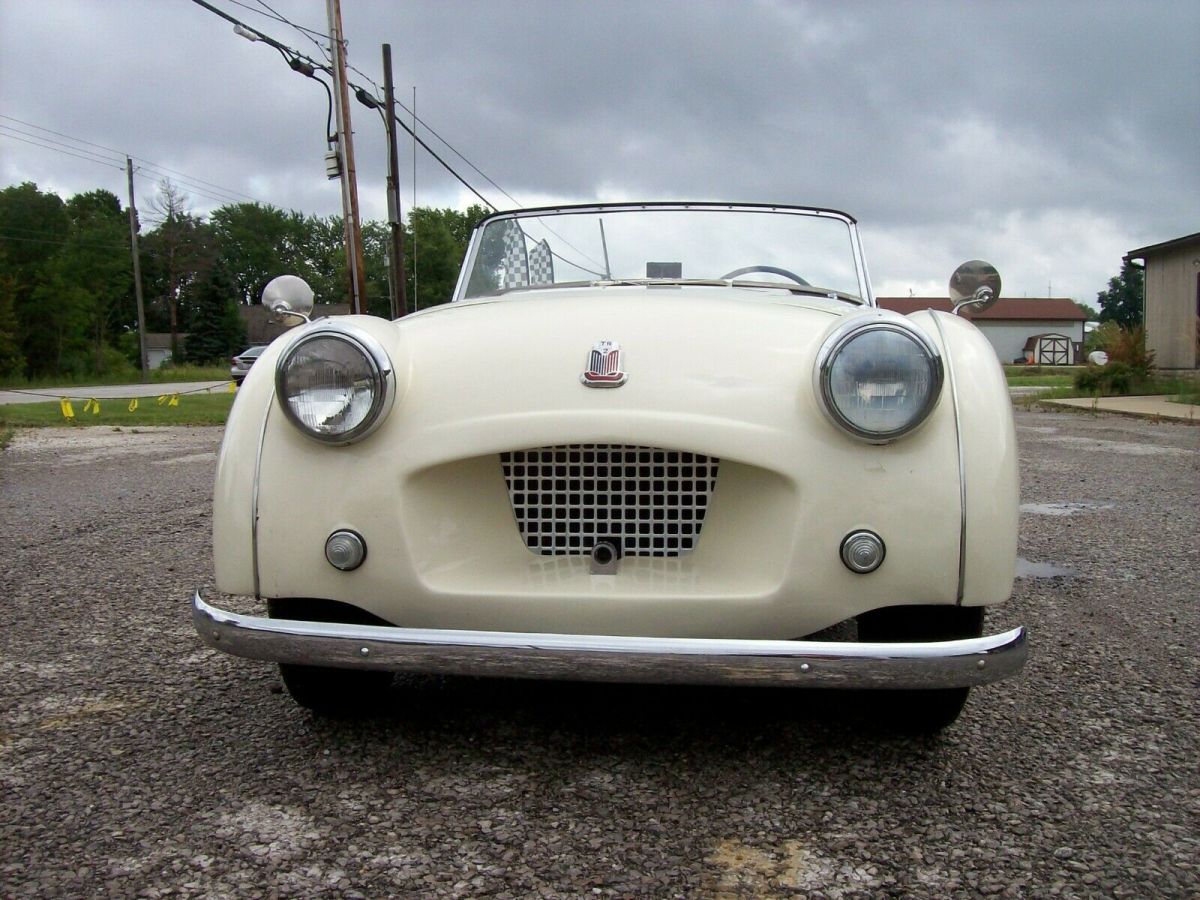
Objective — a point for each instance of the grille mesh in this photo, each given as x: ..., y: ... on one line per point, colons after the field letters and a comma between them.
x: 649, y: 502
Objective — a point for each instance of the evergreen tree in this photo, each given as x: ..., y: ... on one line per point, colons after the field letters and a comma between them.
x: 33, y: 227
x: 12, y: 361
x: 217, y: 329
x: 1122, y: 302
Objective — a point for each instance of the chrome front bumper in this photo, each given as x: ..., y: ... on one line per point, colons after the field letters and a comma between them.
x: 581, y: 657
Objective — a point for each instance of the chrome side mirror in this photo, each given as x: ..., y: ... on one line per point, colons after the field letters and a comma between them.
x: 289, y: 298
x: 975, y: 284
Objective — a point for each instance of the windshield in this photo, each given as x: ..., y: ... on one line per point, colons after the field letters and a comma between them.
x: 808, y: 250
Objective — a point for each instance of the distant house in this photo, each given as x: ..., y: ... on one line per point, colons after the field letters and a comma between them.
x: 1172, y: 301
x: 1047, y: 331
x: 158, y: 348
x: 261, y: 330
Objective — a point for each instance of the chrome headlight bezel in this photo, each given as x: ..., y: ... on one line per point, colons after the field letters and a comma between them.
x: 841, y: 337
x: 382, y: 377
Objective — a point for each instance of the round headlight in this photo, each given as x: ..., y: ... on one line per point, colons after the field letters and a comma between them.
x: 335, y: 383
x: 879, y: 379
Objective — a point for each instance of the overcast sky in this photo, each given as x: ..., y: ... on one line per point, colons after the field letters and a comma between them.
x: 1048, y: 138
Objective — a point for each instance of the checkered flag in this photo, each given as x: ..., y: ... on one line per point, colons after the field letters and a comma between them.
x: 541, y: 264
x: 516, y: 263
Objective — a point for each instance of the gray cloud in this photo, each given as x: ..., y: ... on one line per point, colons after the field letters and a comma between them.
x: 1052, y: 137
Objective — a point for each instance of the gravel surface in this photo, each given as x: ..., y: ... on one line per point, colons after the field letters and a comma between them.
x: 134, y: 762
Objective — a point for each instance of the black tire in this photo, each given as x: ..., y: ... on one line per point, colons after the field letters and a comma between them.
x: 338, y: 693
x: 920, y: 711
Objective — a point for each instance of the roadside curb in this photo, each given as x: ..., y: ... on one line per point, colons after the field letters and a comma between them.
x: 1155, y: 408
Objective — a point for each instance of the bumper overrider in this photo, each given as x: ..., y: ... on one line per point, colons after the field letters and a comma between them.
x: 580, y: 657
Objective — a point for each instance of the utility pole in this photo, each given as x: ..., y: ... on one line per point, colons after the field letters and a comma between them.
x: 137, y: 273
x: 396, y: 248
x: 354, y: 249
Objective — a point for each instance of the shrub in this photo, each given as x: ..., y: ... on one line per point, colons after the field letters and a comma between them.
x: 1128, y: 346
x: 1114, y: 378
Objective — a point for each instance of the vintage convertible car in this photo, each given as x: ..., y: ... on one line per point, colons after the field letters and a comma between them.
x: 655, y: 442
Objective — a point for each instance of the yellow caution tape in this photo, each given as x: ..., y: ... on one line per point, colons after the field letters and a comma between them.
x: 174, y: 401
x: 65, y: 405
x: 133, y: 405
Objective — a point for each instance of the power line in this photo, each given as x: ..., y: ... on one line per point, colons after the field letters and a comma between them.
x: 63, y: 243
x: 195, y: 185
x: 94, y: 159
x: 154, y: 179
x: 286, y: 50
x: 69, y: 137
x: 145, y: 163
x: 307, y: 32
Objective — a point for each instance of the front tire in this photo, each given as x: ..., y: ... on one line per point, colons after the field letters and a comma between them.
x: 337, y: 693
x: 920, y: 711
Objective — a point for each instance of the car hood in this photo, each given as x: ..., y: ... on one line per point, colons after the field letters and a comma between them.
x: 727, y: 353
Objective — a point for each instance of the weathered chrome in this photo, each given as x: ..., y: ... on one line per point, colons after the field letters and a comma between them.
x: 345, y: 550
x: 258, y: 458
x: 863, y: 552
x: 843, y: 335
x: 605, y: 558
x: 647, y: 500
x: 289, y: 298
x: 383, y: 376
x: 975, y: 283
x: 821, y: 664
x: 962, y: 462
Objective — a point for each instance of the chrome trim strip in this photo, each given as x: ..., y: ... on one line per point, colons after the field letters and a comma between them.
x: 574, y: 657
x: 258, y: 457
x: 468, y: 265
x: 383, y: 374
x: 962, y: 461
x: 842, y: 335
x: 860, y: 264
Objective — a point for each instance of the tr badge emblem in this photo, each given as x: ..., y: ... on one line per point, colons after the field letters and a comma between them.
x: 604, y: 366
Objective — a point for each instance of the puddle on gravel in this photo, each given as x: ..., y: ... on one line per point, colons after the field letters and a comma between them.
x: 1061, y: 509
x: 1027, y: 569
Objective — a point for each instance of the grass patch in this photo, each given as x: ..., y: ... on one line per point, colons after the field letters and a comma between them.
x: 1178, y: 390
x: 163, y: 375
x: 1055, y: 381
x: 6, y: 435
x: 1011, y: 370
x: 193, y: 409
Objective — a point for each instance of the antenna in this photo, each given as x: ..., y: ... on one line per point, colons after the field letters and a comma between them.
x: 413, y: 208
x: 604, y: 245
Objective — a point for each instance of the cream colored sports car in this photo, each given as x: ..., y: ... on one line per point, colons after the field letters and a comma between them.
x: 654, y: 442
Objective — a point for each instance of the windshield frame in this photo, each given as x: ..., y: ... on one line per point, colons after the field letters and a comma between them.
x: 860, y: 266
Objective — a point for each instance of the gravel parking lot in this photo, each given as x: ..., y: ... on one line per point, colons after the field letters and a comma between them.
x: 134, y: 762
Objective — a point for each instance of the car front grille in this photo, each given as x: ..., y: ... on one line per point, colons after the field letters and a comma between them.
x: 646, y: 501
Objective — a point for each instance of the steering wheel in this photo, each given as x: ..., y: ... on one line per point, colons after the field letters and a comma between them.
x: 774, y: 270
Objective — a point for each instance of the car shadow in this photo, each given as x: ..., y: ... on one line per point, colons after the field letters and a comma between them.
x: 452, y: 708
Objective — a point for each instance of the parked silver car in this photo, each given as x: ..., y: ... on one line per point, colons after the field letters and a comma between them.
x: 243, y: 361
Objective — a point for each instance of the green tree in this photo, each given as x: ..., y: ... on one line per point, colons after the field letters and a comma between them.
x: 1122, y: 302
x: 12, y: 361
x: 255, y: 243
x: 441, y: 237
x: 217, y: 330
x: 96, y: 261
x: 33, y: 228
x: 173, y: 254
